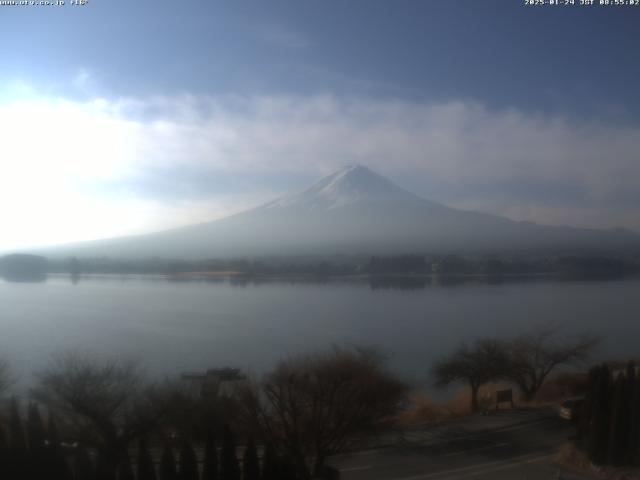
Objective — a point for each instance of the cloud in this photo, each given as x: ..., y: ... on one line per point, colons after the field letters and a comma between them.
x: 462, y: 149
x: 163, y: 161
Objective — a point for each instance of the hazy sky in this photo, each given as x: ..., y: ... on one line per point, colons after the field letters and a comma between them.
x: 124, y: 117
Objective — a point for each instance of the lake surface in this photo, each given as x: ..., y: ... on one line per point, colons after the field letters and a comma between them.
x: 171, y: 327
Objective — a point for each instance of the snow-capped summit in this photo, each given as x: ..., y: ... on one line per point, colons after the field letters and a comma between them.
x: 348, y: 186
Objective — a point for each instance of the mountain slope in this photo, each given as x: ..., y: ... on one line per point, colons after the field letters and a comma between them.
x: 356, y: 211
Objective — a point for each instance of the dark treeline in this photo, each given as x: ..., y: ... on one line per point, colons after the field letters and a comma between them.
x: 565, y: 265
x: 610, y: 423
x: 31, y: 449
x: 159, y: 266
x: 16, y: 266
x: 21, y: 267
x: 105, y: 421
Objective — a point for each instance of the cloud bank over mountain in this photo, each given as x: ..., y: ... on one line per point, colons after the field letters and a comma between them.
x: 355, y: 211
x: 136, y: 165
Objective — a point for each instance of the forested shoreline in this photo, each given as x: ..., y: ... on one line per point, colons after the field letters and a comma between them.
x: 32, y: 266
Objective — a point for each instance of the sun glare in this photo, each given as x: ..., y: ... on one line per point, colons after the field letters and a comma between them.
x: 55, y: 155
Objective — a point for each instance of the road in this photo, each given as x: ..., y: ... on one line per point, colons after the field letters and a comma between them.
x: 517, y: 449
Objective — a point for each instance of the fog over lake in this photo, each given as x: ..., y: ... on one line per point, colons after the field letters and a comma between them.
x: 171, y: 327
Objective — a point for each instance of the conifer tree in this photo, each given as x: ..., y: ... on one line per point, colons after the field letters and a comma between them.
x: 53, y: 435
x: 105, y: 470
x: 618, y: 431
x: 287, y: 469
x: 188, y: 462
x: 18, y: 445
x: 146, y: 469
x: 634, y: 413
x: 636, y: 420
x: 83, y: 468
x: 36, y: 441
x: 4, y: 455
x: 210, y: 467
x: 229, y: 467
x: 56, y: 464
x: 250, y: 462
x: 35, y: 432
x: 18, y: 454
x: 599, y: 425
x: 587, y: 413
x: 168, y: 464
x: 270, y: 464
x: 125, y: 471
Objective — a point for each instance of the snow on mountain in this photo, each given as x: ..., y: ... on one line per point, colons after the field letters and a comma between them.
x: 349, y: 186
x: 356, y: 211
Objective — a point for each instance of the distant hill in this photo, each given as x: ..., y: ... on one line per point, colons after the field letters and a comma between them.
x: 356, y: 211
x: 20, y: 267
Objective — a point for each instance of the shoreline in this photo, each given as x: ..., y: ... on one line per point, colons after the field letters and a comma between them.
x: 435, y: 278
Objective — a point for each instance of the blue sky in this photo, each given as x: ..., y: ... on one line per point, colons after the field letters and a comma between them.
x: 153, y: 114
x: 500, y: 52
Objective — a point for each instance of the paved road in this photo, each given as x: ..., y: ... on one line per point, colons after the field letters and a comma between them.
x: 519, y: 449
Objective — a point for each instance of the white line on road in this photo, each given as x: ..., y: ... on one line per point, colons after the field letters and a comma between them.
x: 475, y: 470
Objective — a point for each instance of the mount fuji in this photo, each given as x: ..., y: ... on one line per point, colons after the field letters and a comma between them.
x: 357, y: 211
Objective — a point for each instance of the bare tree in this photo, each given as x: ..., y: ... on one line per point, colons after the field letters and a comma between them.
x: 315, y: 406
x: 533, y: 357
x: 474, y: 365
x: 104, y: 400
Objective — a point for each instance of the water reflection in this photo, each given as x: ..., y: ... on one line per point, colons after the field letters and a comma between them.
x: 23, y: 268
x: 399, y: 283
x: 177, y: 323
x: 374, y: 282
x: 27, y: 277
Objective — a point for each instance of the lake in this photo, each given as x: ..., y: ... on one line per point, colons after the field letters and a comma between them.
x: 172, y: 326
